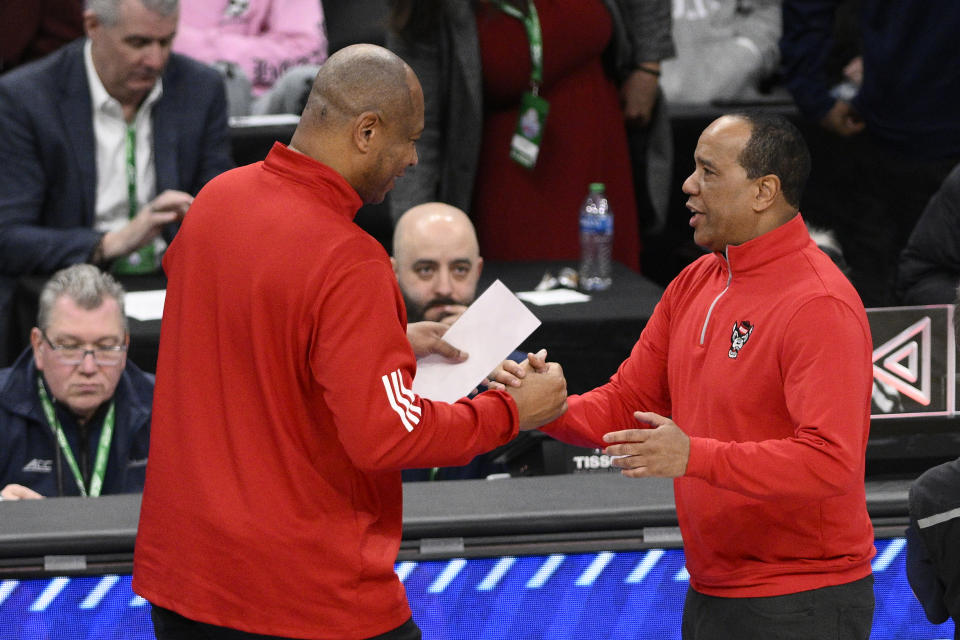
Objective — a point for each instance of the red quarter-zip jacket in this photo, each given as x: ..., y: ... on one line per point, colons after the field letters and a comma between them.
x: 762, y: 356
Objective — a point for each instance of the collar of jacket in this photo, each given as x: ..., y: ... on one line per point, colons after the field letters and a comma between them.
x: 332, y: 188
x: 788, y: 238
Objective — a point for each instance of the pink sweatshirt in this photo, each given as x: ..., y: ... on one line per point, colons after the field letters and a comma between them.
x: 263, y: 37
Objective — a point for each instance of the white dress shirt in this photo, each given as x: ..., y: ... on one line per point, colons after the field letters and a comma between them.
x: 110, y: 138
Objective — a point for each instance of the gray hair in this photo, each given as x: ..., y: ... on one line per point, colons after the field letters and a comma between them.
x: 85, y: 285
x: 108, y: 11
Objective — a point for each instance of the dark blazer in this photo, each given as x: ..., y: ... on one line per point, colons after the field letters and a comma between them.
x: 48, y: 157
x: 48, y: 181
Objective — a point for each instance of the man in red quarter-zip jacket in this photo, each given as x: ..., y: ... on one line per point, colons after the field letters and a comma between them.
x: 283, y: 412
x: 751, y: 386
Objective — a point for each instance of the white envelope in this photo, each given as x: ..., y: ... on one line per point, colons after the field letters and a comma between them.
x: 489, y: 330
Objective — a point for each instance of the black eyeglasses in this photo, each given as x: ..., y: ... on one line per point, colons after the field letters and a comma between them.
x: 74, y: 355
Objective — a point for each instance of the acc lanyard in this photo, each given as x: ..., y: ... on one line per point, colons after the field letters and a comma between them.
x: 132, y: 170
x: 143, y: 259
x: 531, y: 22
x: 103, y: 447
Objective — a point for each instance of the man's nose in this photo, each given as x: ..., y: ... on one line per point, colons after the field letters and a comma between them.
x: 443, y: 285
x: 689, y: 186
x: 88, y: 364
x: 153, y: 56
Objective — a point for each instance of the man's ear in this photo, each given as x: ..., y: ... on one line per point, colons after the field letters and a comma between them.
x: 36, y: 342
x: 90, y: 22
x: 365, y: 128
x: 396, y: 267
x: 768, y: 188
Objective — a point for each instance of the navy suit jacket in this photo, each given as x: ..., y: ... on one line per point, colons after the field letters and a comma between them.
x: 48, y: 158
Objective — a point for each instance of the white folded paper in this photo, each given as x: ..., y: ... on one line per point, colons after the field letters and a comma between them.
x: 489, y: 330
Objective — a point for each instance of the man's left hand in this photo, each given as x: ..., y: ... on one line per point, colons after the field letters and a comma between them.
x: 662, y: 451
x: 638, y: 93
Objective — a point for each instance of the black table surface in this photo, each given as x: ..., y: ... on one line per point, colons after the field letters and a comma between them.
x: 589, y: 339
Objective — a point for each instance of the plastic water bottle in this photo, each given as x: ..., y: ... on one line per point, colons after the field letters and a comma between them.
x: 596, y: 239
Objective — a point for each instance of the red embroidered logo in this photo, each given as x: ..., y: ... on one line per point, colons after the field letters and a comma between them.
x: 741, y: 333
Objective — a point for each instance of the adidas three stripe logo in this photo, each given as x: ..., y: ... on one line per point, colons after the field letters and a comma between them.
x: 401, y: 400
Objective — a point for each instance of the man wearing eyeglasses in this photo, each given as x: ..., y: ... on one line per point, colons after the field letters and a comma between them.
x: 74, y: 414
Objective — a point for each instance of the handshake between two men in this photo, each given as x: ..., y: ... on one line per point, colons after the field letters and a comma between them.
x: 657, y: 447
x: 539, y: 398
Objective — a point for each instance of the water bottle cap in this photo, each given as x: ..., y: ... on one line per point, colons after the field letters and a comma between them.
x: 596, y: 187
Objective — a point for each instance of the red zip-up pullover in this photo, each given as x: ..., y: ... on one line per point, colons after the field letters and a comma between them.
x: 283, y: 415
x: 763, y: 357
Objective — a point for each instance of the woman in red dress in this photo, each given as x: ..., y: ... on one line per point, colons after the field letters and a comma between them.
x: 474, y: 61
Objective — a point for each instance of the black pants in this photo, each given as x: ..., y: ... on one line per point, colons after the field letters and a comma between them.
x: 842, y: 612
x: 169, y: 625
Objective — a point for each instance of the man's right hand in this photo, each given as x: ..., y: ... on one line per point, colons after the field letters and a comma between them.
x: 169, y: 206
x: 542, y: 396
x: 426, y: 338
x: 19, y: 492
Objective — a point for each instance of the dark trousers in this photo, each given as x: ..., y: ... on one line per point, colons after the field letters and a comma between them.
x: 842, y: 612
x: 169, y: 625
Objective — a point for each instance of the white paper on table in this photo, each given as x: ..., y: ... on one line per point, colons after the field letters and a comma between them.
x: 489, y: 330
x: 264, y: 120
x: 144, y: 305
x: 553, y: 296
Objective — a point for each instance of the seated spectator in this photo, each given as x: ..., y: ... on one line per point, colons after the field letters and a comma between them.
x: 74, y: 414
x: 102, y: 145
x: 726, y: 49
x: 268, y: 50
x: 437, y: 261
x: 929, y: 268
x: 31, y: 30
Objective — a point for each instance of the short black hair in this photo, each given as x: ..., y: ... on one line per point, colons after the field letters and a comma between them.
x: 776, y: 147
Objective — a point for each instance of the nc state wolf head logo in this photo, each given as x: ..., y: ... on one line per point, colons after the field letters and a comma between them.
x: 741, y: 333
